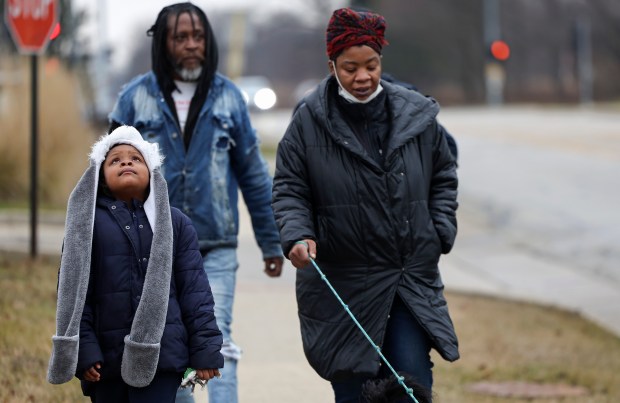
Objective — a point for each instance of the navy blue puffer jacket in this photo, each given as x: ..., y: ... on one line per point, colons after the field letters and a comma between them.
x: 120, y: 251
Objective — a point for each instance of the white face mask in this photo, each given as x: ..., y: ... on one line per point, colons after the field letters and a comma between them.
x: 350, y: 97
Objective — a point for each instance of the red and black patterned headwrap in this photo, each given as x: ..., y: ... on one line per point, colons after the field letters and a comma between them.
x: 348, y: 28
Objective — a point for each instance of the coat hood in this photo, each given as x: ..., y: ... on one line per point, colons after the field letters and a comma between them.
x: 412, y: 111
x: 150, y: 152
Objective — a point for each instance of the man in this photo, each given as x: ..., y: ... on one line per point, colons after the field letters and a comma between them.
x: 201, y: 123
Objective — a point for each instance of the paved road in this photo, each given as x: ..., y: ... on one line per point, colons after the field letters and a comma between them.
x: 539, y: 207
x: 537, y: 222
x: 538, y: 218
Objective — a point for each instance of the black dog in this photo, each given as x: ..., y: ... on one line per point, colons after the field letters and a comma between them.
x: 388, y: 390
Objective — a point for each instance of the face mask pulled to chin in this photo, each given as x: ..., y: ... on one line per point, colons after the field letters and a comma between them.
x: 350, y: 97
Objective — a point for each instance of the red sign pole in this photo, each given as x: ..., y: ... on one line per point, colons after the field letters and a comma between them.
x: 30, y: 23
x: 34, y: 155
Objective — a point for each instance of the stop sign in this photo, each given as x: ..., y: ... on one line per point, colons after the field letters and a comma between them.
x: 31, y: 22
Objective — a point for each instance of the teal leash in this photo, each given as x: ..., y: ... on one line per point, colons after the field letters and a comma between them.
x: 401, y: 380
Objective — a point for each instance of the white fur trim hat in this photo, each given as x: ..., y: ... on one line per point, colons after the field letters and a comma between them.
x: 127, y: 135
x: 150, y: 152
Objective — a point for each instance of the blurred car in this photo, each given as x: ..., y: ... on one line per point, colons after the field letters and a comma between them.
x: 257, y: 91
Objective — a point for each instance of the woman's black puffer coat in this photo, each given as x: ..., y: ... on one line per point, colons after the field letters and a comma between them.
x: 380, y: 230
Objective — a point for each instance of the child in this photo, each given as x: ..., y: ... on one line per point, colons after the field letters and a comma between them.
x: 135, y: 307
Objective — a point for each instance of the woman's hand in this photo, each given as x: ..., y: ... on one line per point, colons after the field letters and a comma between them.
x: 301, y: 253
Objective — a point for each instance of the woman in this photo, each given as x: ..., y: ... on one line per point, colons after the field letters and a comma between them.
x: 365, y: 184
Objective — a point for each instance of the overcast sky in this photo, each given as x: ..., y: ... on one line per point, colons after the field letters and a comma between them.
x: 115, y: 21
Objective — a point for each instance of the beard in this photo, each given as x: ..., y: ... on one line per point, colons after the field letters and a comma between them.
x: 189, y: 74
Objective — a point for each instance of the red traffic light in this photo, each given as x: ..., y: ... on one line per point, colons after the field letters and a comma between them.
x: 500, y: 50
x: 55, y: 31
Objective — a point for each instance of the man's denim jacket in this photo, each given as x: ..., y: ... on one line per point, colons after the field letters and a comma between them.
x: 222, y: 157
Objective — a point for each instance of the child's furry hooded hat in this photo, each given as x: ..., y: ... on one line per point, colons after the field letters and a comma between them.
x: 142, y: 344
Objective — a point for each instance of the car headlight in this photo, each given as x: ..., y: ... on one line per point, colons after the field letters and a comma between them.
x: 265, y: 98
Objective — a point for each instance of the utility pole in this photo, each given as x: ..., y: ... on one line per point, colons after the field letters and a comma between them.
x: 101, y: 66
x: 494, y: 72
x: 236, y: 44
x: 583, y: 44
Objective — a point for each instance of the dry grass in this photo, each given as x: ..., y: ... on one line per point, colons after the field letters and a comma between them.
x: 500, y: 340
x: 509, y: 341
x: 64, y: 135
x: 28, y: 309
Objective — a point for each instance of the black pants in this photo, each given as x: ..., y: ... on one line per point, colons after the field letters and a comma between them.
x: 163, y: 389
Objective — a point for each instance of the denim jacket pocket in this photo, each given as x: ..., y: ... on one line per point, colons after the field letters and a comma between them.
x: 150, y: 130
x: 222, y: 143
x: 220, y: 168
x: 223, y: 123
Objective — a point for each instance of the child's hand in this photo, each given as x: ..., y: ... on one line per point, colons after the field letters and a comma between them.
x: 206, y: 374
x: 193, y: 377
x: 91, y: 374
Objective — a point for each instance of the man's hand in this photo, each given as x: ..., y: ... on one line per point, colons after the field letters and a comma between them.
x: 301, y: 253
x: 273, y: 266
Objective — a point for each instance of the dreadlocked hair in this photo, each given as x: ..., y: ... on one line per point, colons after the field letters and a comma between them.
x: 162, y: 65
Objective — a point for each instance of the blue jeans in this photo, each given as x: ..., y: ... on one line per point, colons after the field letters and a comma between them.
x: 221, y: 267
x: 406, y: 347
